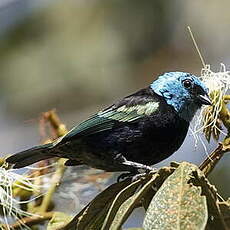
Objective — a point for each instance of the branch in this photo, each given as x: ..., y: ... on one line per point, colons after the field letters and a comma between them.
x: 211, y: 161
x: 30, y: 221
x: 60, y: 130
x: 56, y: 179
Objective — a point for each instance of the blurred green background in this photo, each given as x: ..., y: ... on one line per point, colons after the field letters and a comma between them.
x: 80, y: 55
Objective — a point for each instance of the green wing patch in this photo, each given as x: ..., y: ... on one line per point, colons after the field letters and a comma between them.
x: 130, y: 113
x: 146, y: 109
x: 105, y: 120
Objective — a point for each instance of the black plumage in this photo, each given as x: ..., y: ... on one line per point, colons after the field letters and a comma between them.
x: 147, y: 140
x: 136, y: 132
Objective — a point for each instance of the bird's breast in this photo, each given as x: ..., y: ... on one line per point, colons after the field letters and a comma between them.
x: 152, y: 141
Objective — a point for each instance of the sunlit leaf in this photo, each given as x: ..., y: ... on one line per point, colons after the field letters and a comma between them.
x: 58, y: 220
x: 178, y: 204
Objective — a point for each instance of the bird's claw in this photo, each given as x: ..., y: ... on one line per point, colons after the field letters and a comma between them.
x: 124, y: 176
x: 135, y: 175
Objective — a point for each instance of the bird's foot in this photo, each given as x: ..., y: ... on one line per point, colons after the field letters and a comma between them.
x: 134, y: 176
x: 124, y: 176
x: 137, y: 174
x: 137, y: 170
x: 131, y: 175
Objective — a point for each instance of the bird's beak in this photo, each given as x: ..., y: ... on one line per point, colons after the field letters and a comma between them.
x: 204, y: 99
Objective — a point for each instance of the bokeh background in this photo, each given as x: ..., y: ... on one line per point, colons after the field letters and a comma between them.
x: 80, y: 55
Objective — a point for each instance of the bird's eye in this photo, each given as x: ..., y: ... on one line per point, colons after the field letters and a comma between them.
x: 187, y: 83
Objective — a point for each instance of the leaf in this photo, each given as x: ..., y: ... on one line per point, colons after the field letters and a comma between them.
x: 58, y: 220
x: 147, y: 200
x: 218, y: 212
x: 121, y: 197
x: 225, y: 212
x: 177, y: 204
x: 97, y: 209
x: 124, y: 203
x: 134, y: 229
x: 128, y: 206
x: 105, y: 206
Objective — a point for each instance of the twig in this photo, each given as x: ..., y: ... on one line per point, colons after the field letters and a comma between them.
x: 56, y: 179
x: 30, y: 221
x: 225, y: 117
x: 60, y: 130
x: 196, y: 46
x: 210, y: 162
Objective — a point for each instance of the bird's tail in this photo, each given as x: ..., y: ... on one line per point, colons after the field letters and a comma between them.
x: 31, y: 156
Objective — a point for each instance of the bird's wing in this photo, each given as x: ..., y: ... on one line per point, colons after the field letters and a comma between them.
x: 129, y: 109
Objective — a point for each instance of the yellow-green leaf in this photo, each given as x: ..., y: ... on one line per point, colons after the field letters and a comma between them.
x: 58, y: 220
x: 178, y: 204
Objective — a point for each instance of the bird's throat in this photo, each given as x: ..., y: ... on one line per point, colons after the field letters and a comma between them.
x: 188, y: 111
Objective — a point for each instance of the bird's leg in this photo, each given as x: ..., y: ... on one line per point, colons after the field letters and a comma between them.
x: 140, y: 168
x: 132, y: 175
x: 133, y: 166
x: 135, y: 169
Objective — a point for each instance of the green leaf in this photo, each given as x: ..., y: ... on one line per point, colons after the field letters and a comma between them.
x: 134, y: 229
x: 129, y: 198
x: 128, y: 206
x: 218, y: 212
x: 121, y: 197
x: 58, y: 220
x: 104, y: 207
x: 92, y: 216
x: 225, y: 213
x: 178, y: 204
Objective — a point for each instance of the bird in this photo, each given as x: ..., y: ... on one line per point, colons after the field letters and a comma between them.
x: 134, y: 133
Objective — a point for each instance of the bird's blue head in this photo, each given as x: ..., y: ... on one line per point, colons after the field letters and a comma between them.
x: 184, y: 91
